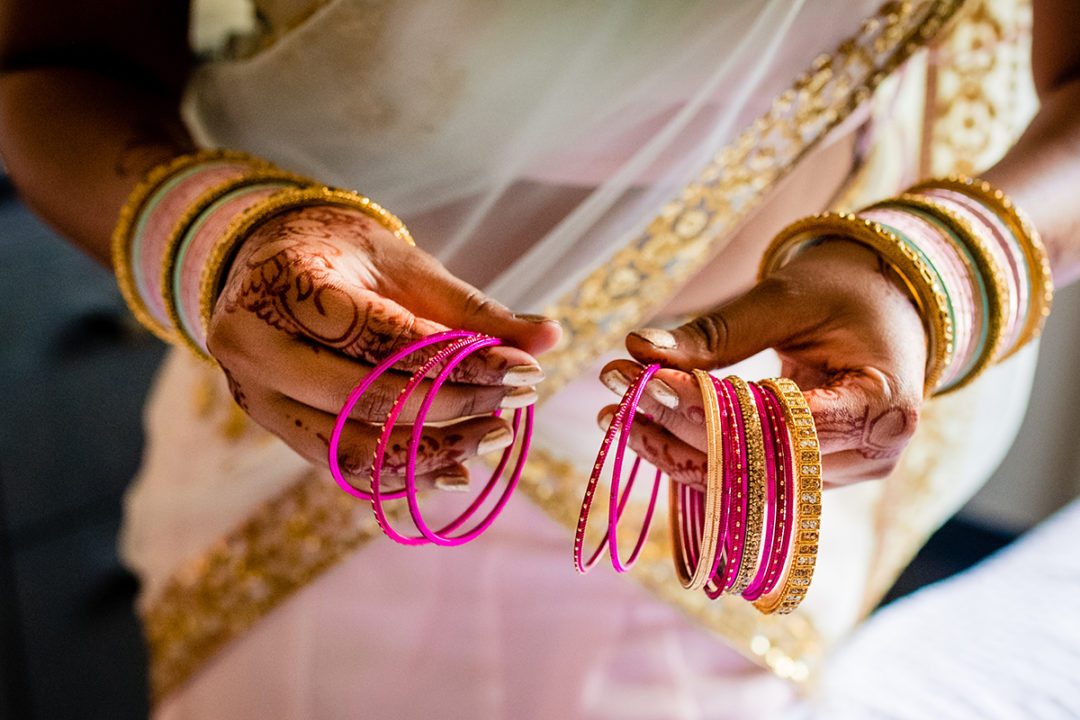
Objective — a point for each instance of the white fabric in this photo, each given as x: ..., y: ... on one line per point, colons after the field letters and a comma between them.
x: 998, y: 642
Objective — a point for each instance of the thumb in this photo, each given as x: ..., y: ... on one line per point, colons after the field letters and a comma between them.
x: 429, y: 290
x: 769, y: 315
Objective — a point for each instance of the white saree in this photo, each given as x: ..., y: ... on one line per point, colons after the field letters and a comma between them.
x: 606, y: 163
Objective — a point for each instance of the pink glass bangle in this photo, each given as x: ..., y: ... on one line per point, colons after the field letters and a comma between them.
x: 358, y: 392
x: 441, y: 537
x: 624, y: 414
x: 757, y: 585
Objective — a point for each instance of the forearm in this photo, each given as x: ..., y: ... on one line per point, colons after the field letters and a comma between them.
x: 77, y: 141
x: 1041, y: 173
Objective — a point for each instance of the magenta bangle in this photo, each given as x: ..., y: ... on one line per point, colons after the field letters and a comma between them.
x: 785, y: 485
x: 736, y: 526
x: 458, y: 351
x: 757, y: 585
x: 623, y: 419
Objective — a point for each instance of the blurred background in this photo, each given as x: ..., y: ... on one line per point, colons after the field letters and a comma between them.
x: 74, y: 368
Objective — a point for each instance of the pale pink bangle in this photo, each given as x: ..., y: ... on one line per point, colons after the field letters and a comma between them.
x: 1009, y: 255
x: 621, y: 422
x: 162, y: 209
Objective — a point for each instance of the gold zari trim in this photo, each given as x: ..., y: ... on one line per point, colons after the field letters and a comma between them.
x: 290, y: 540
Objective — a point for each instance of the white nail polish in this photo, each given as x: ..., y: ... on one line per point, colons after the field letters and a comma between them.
x: 662, y: 393
x: 604, y: 421
x: 495, y: 440
x: 615, y: 381
x: 523, y: 375
x: 657, y: 338
x: 519, y: 398
x: 452, y: 483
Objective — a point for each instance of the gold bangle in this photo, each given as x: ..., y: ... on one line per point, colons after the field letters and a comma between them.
x: 992, y: 273
x: 213, y: 276
x: 806, y: 518
x: 755, y: 484
x: 185, y: 224
x: 715, y: 462
x: 129, y: 213
x: 1027, y: 236
x: 919, y: 278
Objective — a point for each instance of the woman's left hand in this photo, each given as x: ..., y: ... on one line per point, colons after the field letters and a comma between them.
x: 846, y: 331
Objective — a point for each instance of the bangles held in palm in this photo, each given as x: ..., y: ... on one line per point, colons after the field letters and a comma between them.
x: 753, y: 530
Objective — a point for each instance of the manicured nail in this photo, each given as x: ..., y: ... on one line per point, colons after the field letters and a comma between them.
x: 495, y: 440
x: 604, y: 421
x: 523, y: 375
x: 657, y: 338
x: 662, y: 393
x: 519, y: 398
x: 615, y: 381
x: 452, y: 483
x: 538, y: 319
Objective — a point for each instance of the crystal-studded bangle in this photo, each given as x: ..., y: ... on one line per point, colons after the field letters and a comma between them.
x: 802, y: 438
x: 920, y: 279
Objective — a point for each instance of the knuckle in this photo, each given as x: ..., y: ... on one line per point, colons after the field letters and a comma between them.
x: 711, y: 331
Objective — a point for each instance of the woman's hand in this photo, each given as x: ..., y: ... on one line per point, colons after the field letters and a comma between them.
x: 317, y: 296
x: 847, y: 332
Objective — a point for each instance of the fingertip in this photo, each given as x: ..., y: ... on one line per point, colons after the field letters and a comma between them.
x: 535, y: 334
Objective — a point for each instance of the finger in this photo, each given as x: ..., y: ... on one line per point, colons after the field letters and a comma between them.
x: 430, y: 291
x: 864, y: 411
x: 851, y: 466
x: 769, y: 315
x: 308, y: 431
x: 655, y: 445
x: 322, y: 379
x: 672, y: 398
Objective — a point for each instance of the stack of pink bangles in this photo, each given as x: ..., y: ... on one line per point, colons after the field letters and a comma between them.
x: 754, y: 530
x: 459, y: 345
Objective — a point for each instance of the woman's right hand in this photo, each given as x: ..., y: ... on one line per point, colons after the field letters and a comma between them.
x: 319, y: 295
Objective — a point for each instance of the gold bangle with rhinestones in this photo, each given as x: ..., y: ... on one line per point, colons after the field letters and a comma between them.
x: 186, y: 223
x: 1027, y: 236
x: 129, y: 214
x: 710, y: 533
x: 919, y: 278
x: 799, y: 566
x: 997, y: 290
x: 755, y: 484
x: 220, y: 258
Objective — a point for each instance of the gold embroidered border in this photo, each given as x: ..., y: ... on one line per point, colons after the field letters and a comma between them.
x: 291, y: 539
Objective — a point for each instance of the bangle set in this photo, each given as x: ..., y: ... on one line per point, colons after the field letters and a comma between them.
x: 753, y: 530
x: 970, y: 259
x: 182, y: 225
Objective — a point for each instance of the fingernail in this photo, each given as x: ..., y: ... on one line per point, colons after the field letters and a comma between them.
x: 662, y: 393
x: 604, y: 421
x: 657, y: 338
x: 495, y: 440
x: 518, y: 398
x: 538, y: 319
x: 523, y: 375
x: 452, y: 483
x: 615, y: 381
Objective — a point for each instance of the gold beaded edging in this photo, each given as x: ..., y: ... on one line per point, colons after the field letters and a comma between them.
x: 184, y: 224
x: 1040, y: 273
x: 285, y: 201
x: 755, y: 484
x: 806, y: 460
x: 129, y: 213
x: 921, y: 279
x: 992, y: 275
